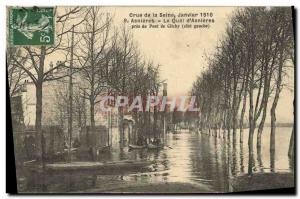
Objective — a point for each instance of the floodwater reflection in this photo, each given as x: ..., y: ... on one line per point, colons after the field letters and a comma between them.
x: 198, y: 159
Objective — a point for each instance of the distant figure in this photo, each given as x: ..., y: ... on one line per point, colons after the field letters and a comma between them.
x: 91, y: 153
x: 66, y: 146
x: 168, y: 129
x: 145, y: 141
x: 139, y: 141
x: 76, y: 143
x: 29, y: 147
x: 152, y: 141
x: 156, y: 141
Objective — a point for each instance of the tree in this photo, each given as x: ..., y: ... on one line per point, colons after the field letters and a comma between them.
x: 39, y: 73
x: 16, y: 76
x: 93, y: 50
x: 248, y: 66
x: 285, y: 40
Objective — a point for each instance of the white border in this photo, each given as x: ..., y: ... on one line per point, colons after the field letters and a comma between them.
x: 5, y: 3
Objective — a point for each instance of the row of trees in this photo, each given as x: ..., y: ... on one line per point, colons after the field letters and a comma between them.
x: 245, y: 74
x: 100, y: 56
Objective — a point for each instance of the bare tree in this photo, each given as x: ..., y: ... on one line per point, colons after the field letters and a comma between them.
x: 93, y: 50
x: 285, y: 40
x: 248, y: 65
x: 38, y: 72
x: 16, y: 76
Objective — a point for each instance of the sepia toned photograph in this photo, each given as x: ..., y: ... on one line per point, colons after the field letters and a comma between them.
x: 151, y: 99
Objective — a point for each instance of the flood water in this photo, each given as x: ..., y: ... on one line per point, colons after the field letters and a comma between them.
x: 192, y: 158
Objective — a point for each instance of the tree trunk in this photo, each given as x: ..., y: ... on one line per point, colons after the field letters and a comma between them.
x: 273, y: 127
x: 155, y: 118
x: 92, y: 114
x: 261, y: 125
x: 235, y: 107
x: 274, y: 105
x: 234, y: 126
x: 38, y: 119
x: 291, y: 146
x: 292, y: 140
x: 267, y: 81
x: 251, y: 130
x: 250, y: 147
x: 121, y: 126
x: 242, y: 116
x: 228, y: 125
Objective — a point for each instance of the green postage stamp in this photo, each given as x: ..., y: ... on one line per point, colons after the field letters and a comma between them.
x: 31, y: 26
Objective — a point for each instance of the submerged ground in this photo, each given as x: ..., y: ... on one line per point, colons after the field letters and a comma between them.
x: 193, y: 163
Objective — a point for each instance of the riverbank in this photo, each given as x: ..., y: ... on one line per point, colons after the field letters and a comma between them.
x: 153, y: 188
x: 262, y: 181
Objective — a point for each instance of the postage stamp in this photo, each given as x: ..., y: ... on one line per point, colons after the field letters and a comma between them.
x: 31, y: 26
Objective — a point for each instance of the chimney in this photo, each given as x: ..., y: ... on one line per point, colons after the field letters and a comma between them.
x: 58, y: 63
x: 24, y: 86
x: 165, y: 93
x: 51, y: 67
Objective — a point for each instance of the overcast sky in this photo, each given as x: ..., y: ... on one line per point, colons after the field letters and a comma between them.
x: 181, y: 52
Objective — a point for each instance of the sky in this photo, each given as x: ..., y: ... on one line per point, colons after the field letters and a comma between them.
x: 182, y: 53
x: 179, y: 52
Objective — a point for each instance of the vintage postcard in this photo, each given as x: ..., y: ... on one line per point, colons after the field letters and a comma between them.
x: 151, y: 99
